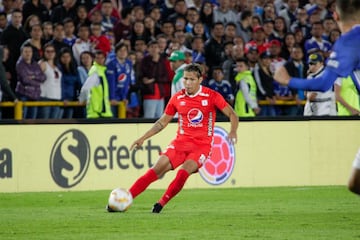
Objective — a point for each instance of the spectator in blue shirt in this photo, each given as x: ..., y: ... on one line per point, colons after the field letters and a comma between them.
x: 119, y: 74
x: 221, y: 85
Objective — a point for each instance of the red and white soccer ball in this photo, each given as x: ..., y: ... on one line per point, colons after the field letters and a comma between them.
x: 120, y: 200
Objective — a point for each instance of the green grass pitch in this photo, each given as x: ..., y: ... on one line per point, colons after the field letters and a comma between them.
x: 240, y: 213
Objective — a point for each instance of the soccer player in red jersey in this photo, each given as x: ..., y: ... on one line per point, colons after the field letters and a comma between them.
x: 196, y: 106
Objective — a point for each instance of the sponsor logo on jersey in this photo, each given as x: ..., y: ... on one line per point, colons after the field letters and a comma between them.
x: 122, y: 77
x: 333, y: 63
x: 195, y: 117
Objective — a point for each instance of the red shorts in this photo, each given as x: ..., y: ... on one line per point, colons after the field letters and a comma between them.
x: 178, y: 152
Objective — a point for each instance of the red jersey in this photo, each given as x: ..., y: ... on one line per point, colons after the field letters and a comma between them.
x: 101, y: 43
x: 196, y: 114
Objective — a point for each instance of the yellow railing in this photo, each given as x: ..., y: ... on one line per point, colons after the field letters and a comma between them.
x: 18, y: 106
x: 281, y: 102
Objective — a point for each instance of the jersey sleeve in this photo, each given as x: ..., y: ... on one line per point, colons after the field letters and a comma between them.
x: 219, y: 100
x: 171, y: 107
x: 322, y: 83
x: 343, y: 59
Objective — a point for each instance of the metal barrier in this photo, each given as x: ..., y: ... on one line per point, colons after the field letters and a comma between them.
x: 281, y: 102
x: 18, y: 106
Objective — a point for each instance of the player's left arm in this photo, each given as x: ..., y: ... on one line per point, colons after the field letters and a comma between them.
x: 158, y: 126
x: 234, y: 121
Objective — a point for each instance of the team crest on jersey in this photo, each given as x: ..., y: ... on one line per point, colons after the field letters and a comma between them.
x: 204, y: 102
x: 122, y: 77
x: 182, y: 103
x: 195, y: 116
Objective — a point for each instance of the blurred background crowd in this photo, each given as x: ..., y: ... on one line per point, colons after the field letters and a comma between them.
x: 48, y: 48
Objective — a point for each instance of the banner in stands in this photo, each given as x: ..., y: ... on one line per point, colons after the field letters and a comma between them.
x: 59, y: 157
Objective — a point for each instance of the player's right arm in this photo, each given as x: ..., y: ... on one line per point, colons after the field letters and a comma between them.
x: 159, y: 125
x: 342, y: 61
x: 321, y: 83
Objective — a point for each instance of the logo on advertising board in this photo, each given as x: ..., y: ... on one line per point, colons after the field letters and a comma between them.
x: 70, y: 158
x: 73, y: 153
x: 218, y: 168
x: 5, y: 163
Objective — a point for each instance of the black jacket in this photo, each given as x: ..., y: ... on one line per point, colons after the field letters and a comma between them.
x: 8, y: 93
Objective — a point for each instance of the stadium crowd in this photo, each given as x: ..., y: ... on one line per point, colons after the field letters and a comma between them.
x: 49, y: 47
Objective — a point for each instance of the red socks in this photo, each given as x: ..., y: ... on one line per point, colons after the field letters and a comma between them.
x: 143, y: 182
x: 175, y: 186
x: 150, y: 176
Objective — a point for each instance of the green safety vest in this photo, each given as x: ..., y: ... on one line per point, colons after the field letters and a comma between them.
x: 349, y: 93
x: 241, y: 108
x: 98, y: 104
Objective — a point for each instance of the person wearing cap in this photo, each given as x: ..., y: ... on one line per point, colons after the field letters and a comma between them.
x: 258, y: 39
x: 245, y: 99
x: 275, y: 51
x: 177, y: 63
x: 319, y: 103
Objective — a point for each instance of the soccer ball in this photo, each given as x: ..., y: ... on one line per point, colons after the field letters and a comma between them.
x: 119, y: 200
